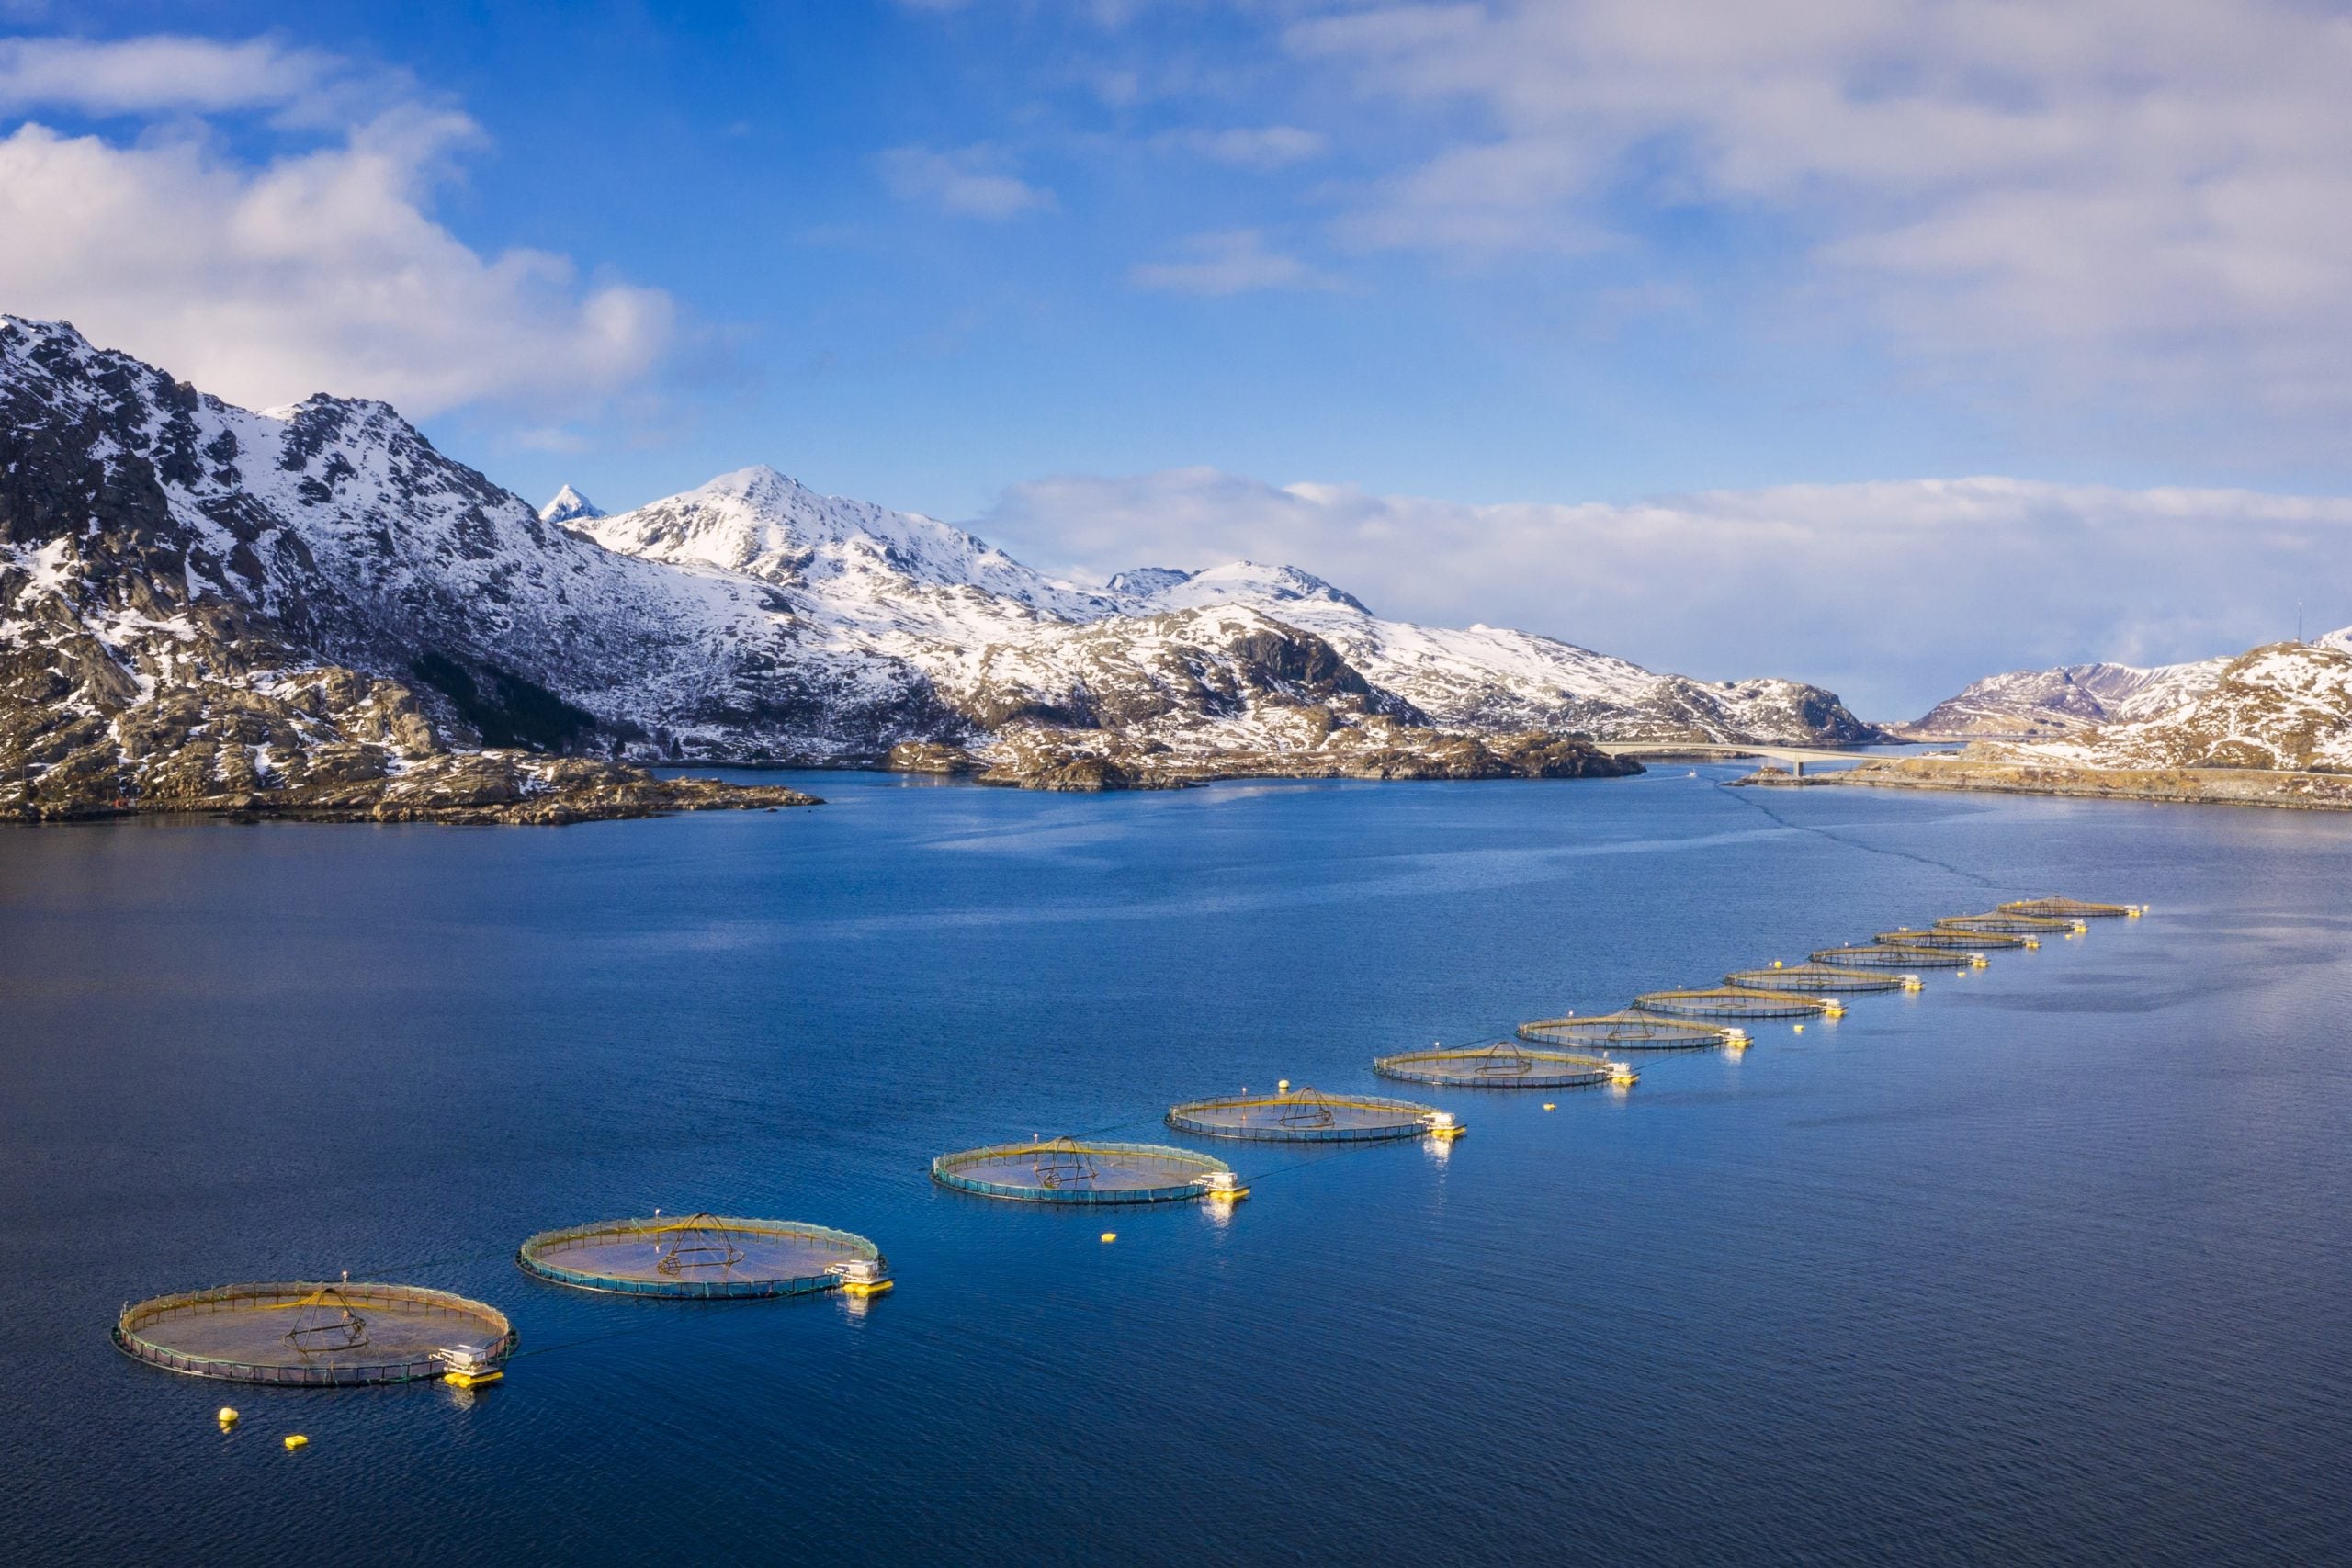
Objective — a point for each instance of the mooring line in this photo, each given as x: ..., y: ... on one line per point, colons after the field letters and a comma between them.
x: 1754, y: 805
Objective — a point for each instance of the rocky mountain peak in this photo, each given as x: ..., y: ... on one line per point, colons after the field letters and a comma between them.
x: 1241, y: 582
x: 567, y: 505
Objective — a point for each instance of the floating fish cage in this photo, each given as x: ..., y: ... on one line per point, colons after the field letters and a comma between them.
x: 1938, y: 937
x: 1506, y: 1064
x: 1075, y: 1171
x: 705, y: 1258
x: 2020, y: 925
x: 312, y: 1334
x: 1309, y: 1115
x: 1736, y: 1001
x: 1908, y: 956
x: 1818, y: 977
x: 2070, y: 908
x: 1632, y: 1032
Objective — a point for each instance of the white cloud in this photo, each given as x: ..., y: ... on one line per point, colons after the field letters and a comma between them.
x: 1235, y: 261
x: 321, y: 270
x: 971, y: 182
x: 1261, y: 148
x: 1894, y: 594
x: 2146, y: 195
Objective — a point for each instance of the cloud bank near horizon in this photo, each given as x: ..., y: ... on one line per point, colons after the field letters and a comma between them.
x: 1893, y: 594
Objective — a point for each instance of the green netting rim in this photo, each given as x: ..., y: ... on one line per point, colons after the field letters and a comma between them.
x: 1577, y: 1071
x: 2055, y: 907
x: 422, y: 1368
x: 2005, y: 920
x: 1945, y: 936
x: 1883, y: 955
x: 1657, y: 1032
x: 1817, y: 977
x: 1731, y: 1001
x: 943, y: 1170
x: 739, y: 1288
x: 1412, y: 1119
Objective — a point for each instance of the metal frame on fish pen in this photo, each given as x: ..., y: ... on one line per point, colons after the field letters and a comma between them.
x: 2072, y: 908
x: 1812, y: 977
x: 325, y: 1360
x: 1069, y: 1170
x: 1633, y: 1032
x: 1308, y: 1115
x: 706, y: 1257
x: 1882, y: 956
x: 1737, y: 1002
x: 1505, y: 1064
x: 1938, y: 936
x: 2022, y: 925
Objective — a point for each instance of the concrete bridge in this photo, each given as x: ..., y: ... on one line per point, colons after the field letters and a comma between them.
x: 1795, y: 757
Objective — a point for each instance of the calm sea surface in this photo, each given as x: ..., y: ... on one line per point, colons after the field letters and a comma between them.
x: 2052, y: 1263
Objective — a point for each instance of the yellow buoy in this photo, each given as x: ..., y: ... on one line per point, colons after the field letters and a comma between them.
x: 228, y: 1417
x: 1800, y: 1029
x: 1549, y: 1106
x: 1110, y: 1236
x: 297, y: 1441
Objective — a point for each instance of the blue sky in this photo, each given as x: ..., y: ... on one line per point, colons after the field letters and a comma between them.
x: 1103, y: 276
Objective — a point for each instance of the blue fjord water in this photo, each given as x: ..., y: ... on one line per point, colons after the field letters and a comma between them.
x: 2047, y: 1263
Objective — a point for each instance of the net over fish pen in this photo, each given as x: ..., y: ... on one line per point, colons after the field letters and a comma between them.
x: 1820, y: 978
x: 1977, y: 941
x: 1885, y: 956
x: 2022, y: 925
x: 1311, y: 1116
x: 312, y: 1334
x: 1632, y: 1032
x: 1081, y: 1170
x: 1737, y: 1002
x: 1506, y: 1064
x: 2070, y: 908
x: 705, y: 1258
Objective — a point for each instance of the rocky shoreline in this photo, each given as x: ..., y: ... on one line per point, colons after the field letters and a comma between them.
x: 1096, y: 761
x: 2215, y: 786
x: 463, y: 789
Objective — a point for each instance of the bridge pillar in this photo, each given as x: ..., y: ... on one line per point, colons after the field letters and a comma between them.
x: 1798, y: 763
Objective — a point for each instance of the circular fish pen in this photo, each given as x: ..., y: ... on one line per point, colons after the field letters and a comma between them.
x: 1813, y: 977
x: 308, y: 1334
x: 1076, y: 1170
x: 1308, y: 1116
x: 1506, y: 1064
x: 1632, y: 1032
x: 702, y: 1257
x: 2068, y: 908
x: 1736, y: 1001
x: 2022, y: 925
x: 1940, y: 937
x: 1884, y: 956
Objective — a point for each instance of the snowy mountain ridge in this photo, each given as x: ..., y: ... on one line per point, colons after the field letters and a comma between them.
x: 2027, y: 705
x: 976, y: 621
x: 2286, y: 707
x: 201, y: 602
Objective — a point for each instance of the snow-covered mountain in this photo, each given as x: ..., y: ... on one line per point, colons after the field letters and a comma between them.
x: 2032, y: 705
x: 569, y: 507
x: 197, y: 598
x: 998, y: 639
x: 2287, y: 706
